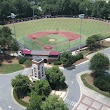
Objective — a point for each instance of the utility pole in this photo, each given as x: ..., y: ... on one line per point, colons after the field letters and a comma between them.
x: 81, y: 16
x: 13, y: 17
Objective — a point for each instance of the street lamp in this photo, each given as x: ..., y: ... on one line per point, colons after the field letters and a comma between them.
x: 33, y: 3
x: 13, y: 17
x: 81, y: 16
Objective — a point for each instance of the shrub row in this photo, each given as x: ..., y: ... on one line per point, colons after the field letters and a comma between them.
x: 74, y: 59
x: 25, y: 61
x: 103, y: 83
x: 57, y: 63
x: 77, y: 57
x: 22, y: 60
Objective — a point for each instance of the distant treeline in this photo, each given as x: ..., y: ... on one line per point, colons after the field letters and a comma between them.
x: 26, y: 8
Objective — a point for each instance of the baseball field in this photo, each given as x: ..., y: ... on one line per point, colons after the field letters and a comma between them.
x: 59, y: 33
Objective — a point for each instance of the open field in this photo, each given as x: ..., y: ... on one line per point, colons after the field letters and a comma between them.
x: 9, y: 68
x: 89, y: 27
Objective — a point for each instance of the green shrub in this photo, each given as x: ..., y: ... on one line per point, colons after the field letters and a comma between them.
x: 103, y: 83
x: 77, y: 57
x: 28, y: 63
x: 57, y: 63
x: 22, y: 60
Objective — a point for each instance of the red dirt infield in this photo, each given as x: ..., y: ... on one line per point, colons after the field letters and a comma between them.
x: 69, y: 35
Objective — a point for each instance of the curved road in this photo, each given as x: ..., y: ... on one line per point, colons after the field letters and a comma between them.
x: 6, y: 102
x: 73, y: 86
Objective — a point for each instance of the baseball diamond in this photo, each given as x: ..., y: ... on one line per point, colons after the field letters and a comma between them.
x: 36, y: 34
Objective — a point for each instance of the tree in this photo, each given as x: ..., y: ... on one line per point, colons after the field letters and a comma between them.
x: 42, y: 88
x: 35, y: 102
x: 53, y: 103
x: 67, y: 58
x: 7, y: 42
x: 99, y: 64
x: 21, y: 85
x: 55, y: 77
x: 93, y: 42
x: 14, y: 46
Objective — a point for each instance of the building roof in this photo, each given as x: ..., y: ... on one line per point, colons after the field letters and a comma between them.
x: 54, y: 53
x: 37, y: 59
x: 26, y: 51
x: 40, y: 52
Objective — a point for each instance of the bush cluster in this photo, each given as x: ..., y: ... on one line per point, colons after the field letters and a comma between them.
x: 68, y: 59
x: 103, y: 83
x: 22, y: 60
x: 25, y: 61
x: 78, y: 57
x: 28, y: 63
x: 57, y: 63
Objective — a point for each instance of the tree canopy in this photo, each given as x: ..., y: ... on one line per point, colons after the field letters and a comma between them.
x: 55, y: 77
x: 24, y: 8
x: 93, y: 42
x: 21, y: 85
x: 67, y: 58
x: 35, y: 102
x: 53, y: 103
x: 7, y: 42
x: 99, y: 64
x: 42, y: 87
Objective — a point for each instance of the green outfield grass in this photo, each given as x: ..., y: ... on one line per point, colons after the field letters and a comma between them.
x: 89, y: 27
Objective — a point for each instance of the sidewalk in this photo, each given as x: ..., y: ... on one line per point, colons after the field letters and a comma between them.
x: 61, y: 94
x: 91, y: 100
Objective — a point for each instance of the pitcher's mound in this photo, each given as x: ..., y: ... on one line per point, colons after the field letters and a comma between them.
x: 52, y: 40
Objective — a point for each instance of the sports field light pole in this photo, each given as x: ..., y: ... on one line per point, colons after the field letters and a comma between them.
x: 81, y: 16
x: 13, y: 17
x: 33, y: 3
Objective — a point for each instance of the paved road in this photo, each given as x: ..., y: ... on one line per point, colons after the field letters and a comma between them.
x: 74, y: 89
x: 6, y: 102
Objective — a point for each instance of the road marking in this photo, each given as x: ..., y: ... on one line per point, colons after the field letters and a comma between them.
x: 72, y: 82
x: 9, y: 106
x: 1, y: 108
x: 70, y: 102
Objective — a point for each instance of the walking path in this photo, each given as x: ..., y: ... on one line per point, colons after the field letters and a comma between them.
x: 91, y: 100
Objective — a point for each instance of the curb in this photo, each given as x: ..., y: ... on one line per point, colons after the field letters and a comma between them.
x: 66, y: 94
x: 1, y: 108
x: 82, y: 63
x: 11, y: 73
x: 16, y: 101
x: 79, y: 82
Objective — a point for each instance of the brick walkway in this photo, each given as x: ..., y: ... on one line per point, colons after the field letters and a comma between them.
x: 91, y: 100
x: 87, y: 103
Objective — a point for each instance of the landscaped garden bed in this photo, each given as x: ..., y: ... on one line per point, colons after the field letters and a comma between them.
x: 88, y: 82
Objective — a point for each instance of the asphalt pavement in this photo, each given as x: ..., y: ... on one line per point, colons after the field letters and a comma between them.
x: 73, y: 95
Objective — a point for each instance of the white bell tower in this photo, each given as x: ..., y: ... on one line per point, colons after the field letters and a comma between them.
x: 38, y: 69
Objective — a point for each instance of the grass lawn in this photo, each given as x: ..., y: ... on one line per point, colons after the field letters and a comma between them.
x: 58, y: 39
x: 89, y: 27
x: 88, y: 82
x: 9, y: 68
